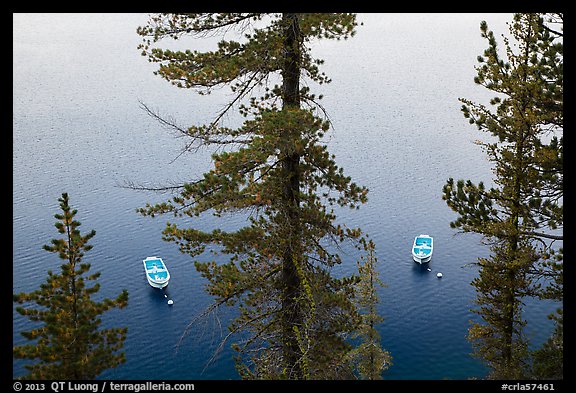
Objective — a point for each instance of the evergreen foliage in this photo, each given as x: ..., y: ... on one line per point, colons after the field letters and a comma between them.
x: 369, y: 358
x: 70, y: 344
x: 548, y: 361
x: 294, y: 314
x: 519, y: 214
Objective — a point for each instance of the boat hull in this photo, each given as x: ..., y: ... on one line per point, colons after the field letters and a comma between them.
x: 156, y: 284
x: 421, y: 260
x: 157, y: 274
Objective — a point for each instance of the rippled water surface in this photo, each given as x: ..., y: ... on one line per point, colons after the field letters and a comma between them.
x: 78, y: 128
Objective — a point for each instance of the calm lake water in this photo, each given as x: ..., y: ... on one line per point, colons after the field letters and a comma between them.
x: 78, y: 128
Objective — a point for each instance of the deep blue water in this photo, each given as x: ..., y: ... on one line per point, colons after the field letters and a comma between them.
x: 78, y: 128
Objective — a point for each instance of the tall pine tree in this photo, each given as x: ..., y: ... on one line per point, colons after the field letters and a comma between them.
x: 294, y: 314
x: 517, y: 214
x: 69, y: 344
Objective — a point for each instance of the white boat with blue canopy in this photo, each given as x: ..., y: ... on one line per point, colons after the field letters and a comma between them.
x: 422, y: 248
x: 157, y: 273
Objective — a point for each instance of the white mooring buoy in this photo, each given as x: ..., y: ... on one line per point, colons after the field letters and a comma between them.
x: 170, y: 302
x: 439, y: 275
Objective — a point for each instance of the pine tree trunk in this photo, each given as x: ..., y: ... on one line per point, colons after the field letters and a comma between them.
x: 514, y: 270
x: 76, y: 355
x: 291, y: 307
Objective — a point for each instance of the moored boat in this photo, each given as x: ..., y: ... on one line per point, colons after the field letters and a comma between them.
x: 422, y: 248
x: 157, y: 273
